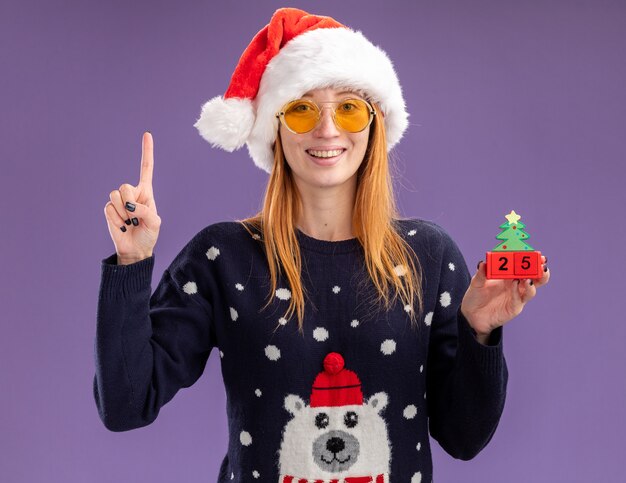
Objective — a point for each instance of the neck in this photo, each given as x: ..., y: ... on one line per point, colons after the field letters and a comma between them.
x: 326, y: 214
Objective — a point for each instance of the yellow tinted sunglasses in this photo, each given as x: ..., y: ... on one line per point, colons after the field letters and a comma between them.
x: 303, y: 115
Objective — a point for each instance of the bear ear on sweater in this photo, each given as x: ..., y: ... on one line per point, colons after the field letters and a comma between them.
x: 294, y: 404
x: 378, y: 401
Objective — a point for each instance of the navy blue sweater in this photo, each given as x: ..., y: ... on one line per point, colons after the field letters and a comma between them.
x: 351, y: 399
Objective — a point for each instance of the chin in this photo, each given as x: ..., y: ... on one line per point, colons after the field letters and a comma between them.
x: 328, y: 180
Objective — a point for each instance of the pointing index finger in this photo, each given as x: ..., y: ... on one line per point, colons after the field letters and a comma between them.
x: 147, y: 160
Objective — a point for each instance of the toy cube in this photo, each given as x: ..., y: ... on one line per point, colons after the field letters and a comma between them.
x: 510, y: 265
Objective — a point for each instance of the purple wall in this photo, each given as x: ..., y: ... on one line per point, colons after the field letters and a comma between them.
x: 514, y: 105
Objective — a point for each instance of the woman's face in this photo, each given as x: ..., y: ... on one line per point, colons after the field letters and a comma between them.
x: 310, y: 155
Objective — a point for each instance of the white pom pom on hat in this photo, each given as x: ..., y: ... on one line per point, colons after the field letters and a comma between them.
x: 295, y: 53
x: 226, y: 122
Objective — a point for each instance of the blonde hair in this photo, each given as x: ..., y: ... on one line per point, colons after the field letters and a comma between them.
x: 391, y: 262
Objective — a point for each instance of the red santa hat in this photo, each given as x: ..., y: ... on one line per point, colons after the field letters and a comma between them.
x: 295, y: 53
x: 336, y: 385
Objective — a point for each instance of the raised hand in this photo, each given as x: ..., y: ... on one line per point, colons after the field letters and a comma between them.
x: 132, y: 214
x: 489, y: 304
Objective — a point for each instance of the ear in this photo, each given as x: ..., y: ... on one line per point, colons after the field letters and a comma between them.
x: 294, y: 404
x: 378, y: 401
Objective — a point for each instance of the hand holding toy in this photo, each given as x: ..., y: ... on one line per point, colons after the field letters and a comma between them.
x: 504, y: 283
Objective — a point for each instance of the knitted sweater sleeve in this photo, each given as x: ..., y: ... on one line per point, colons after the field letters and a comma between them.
x: 147, y: 347
x: 466, y: 380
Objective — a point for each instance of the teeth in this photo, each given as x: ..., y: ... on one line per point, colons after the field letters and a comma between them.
x: 325, y: 154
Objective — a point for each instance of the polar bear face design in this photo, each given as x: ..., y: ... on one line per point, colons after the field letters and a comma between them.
x: 335, y: 441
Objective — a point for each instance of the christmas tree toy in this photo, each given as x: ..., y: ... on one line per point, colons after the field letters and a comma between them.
x: 513, y: 257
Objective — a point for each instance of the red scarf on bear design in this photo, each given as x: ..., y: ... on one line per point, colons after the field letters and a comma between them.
x: 383, y: 478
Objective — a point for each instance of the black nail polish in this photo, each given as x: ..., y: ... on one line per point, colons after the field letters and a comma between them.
x: 532, y: 283
x: 546, y: 259
x: 135, y: 221
x: 129, y: 206
x: 123, y: 228
x: 545, y: 269
x: 478, y: 266
x: 128, y: 222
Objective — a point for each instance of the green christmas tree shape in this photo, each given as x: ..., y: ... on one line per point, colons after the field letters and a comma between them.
x: 513, y: 236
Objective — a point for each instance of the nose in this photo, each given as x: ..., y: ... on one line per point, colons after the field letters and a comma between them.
x: 335, y: 445
x: 326, y: 127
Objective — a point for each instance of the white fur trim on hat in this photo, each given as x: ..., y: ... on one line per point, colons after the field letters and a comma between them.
x: 327, y: 57
x: 226, y: 123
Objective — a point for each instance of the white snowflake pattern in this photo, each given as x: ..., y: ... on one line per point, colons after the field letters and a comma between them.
x: 336, y: 289
x: 282, y: 321
x: 354, y: 323
x: 320, y: 334
x: 388, y: 347
x: 429, y: 318
x: 190, y: 288
x: 445, y: 299
x: 283, y: 293
x: 256, y: 236
x: 417, y: 478
x: 272, y: 352
x: 245, y: 438
x: 410, y: 411
x: 212, y: 253
x: 221, y: 354
x: 408, y: 308
x: 233, y: 314
x: 239, y: 287
x: 451, y: 266
x: 258, y: 392
x: 419, y: 446
x: 256, y: 474
x: 412, y: 232
x: 422, y: 368
x: 400, y: 270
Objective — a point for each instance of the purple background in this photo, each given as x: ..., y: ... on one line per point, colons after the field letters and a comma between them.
x: 514, y: 105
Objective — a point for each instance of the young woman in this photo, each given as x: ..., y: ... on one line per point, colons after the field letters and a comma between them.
x: 346, y: 332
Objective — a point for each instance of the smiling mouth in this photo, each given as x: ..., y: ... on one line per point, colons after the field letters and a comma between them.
x: 335, y: 458
x: 325, y: 154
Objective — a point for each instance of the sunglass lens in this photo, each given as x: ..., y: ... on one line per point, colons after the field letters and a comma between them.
x: 353, y: 115
x: 301, y: 116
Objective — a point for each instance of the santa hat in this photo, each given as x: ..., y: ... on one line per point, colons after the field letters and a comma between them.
x: 336, y: 385
x: 295, y: 53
